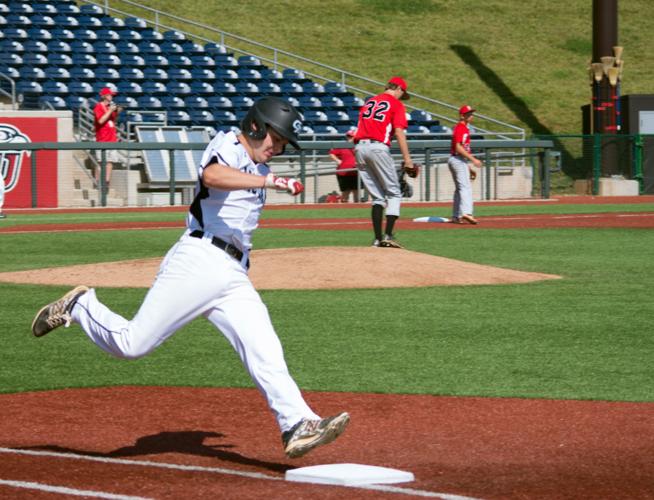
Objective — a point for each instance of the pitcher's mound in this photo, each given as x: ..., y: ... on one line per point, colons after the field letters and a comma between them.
x: 301, y: 268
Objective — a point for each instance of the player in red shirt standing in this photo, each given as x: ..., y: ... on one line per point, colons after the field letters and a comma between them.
x: 460, y: 168
x: 346, y: 171
x: 106, y: 114
x: 381, y: 118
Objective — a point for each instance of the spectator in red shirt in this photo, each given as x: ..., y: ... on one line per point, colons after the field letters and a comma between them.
x: 460, y: 169
x: 346, y: 171
x: 381, y: 118
x: 106, y: 114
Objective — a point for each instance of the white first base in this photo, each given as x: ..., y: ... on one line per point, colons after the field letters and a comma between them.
x: 348, y: 475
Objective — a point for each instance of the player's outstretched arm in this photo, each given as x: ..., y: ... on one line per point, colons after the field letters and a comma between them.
x: 219, y: 176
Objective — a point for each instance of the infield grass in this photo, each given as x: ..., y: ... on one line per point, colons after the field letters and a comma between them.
x: 586, y: 336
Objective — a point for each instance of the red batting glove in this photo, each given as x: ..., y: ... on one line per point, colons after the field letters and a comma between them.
x: 288, y: 184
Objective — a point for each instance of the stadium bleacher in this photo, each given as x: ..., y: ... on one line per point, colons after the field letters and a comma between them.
x: 60, y: 54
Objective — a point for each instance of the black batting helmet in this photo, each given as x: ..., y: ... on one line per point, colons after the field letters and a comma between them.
x: 276, y: 113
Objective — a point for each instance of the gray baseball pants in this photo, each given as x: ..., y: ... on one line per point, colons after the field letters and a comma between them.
x: 379, y: 175
x: 462, y: 202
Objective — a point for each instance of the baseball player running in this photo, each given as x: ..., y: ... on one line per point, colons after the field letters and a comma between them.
x: 381, y: 118
x: 461, y: 172
x: 205, y: 274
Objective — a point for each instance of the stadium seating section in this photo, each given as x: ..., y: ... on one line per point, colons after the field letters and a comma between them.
x: 61, y: 54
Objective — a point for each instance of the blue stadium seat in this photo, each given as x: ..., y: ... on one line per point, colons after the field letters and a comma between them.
x: 201, y: 116
x: 85, y: 35
x: 54, y: 87
x: 148, y: 47
x: 178, y: 88
x: 135, y: 23
x: 44, y: 8
x: 57, y: 73
x: 21, y: 7
x: 203, y: 75
x: 10, y: 59
x: 171, y: 47
x: 59, y: 46
x: 213, y: 48
x: 172, y: 102
x: 66, y: 7
x: 35, y: 59
x: 26, y: 86
x: 3, y: 22
x: 335, y: 88
x: 203, y: 61
x: 202, y: 88
x: 315, y: 116
x: 225, y: 61
x: 417, y: 129
x: 310, y: 101
x: 129, y: 88
x: 32, y: 73
x: 19, y: 20
x: 107, y: 74
x: 438, y: 129
x: 293, y: 74
x: 292, y: 100
x: 191, y: 48
x: 132, y: 74
x: 226, y: 75
x: 219, y: 101
x: 337, y: 117
x: 11, y: 72
x: 15, y: 34
x: 75, y: 101
x: 332, y: 102
x: 306, y: 130
x: 179, y: 117
x: 130, y: 35
x: 123, y: 47
x: 42, y: 21
x: 89, y: 22
x: 325, y: 130
x: 112, y: 23
x: 353, y: 113
x: 156, y: 74
x: 154, y: 118
x: 247, y: 88
x: 54, y: 101
x: 39, y: 35
x: 19, y: 47
x: 108, y: 35
x: 241, y: 101
x: 180, y: 61
x: 63, y: 34
x: 91, y: 9
x: 151, y: 35
x: 4, y: 9
x: 173, y: 35
x: 224, y: 88
x: 132, y: 61
x: 156, y: 61
x: 179, y: 74
x: 57, y: 59
x: 269, y: 88
x: 350, y: 100
x: 291, y: 89
x: 110, y: 60
x: 154, y: 88
x: 148, y: 102
x: 313, y: 88
x: 81, y: 47
x: 84, y: 59
x: 222, y: 116
x: 418, y: 115
x: 196, y: 102
x: 104, y: 47
x: 250, y: 61
x: 249, y: 74
x: 81, y: 89
x: 65, y: 21
x: 81, y: 73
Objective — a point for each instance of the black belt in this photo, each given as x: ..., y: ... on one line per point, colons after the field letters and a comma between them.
x: 230, y: 250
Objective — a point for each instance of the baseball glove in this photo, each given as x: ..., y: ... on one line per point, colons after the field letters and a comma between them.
x: 413, y: 170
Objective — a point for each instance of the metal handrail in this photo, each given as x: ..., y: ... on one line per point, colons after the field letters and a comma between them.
x: 340, y: 73
x: 11, y: 95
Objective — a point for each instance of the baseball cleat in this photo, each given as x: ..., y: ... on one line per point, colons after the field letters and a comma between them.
x: 56, y: 313
x: 308, y: 434
x: 376, y: 243
x: 389, y: 242
x: 470, y: 219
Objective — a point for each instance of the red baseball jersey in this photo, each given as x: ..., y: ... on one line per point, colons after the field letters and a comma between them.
x: 461, y: 135
x: 348, y: 161
x: 379, y: 117
x: 107, y: 131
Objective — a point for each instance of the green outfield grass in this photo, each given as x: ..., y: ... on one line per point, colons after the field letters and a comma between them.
x: 587, y: 336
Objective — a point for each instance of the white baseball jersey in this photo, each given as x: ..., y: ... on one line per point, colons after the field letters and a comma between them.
x: 229, y: 215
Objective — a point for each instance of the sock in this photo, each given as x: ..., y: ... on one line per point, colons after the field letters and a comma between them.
x: 377, y: 214
x: 390, y: 222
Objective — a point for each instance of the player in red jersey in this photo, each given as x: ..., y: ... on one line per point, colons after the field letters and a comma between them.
x: 106, y: 114
x: 381, y: 118
x: 461, y: 172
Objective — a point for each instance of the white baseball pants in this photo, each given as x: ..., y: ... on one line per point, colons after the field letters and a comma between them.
x: 197, y: 278
x: 379, y: 175
x: 462, y: 202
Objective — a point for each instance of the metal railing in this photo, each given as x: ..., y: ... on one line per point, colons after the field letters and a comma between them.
x: 12, y: 94
x: 353, y: 82
x: 300, y: 164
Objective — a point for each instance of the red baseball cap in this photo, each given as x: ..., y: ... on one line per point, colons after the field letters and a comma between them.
x: 351, y: 133
x: 402, y: 84
x: 108, y: 91
x: 464, y: 110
